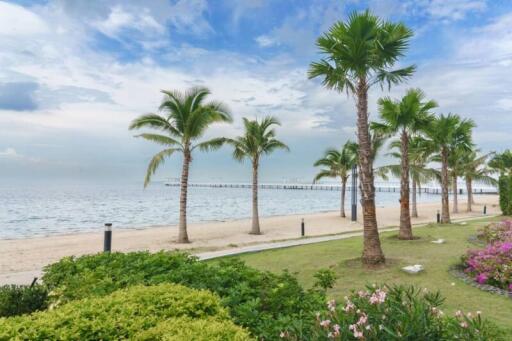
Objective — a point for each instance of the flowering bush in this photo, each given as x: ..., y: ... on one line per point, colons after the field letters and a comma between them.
x: 396, y: 312
x: 492, y: 265
x: 497, y: 232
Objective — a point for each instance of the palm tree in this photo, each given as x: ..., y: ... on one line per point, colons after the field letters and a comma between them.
x: 185, y: 118
x: 259, y: 138
x: 447, y: 133
x: 338, y: 164
x: 476, y: 169
x: 420, y: 174
x: 502, y: 162
x: 455, y: 170
x: 405, y: 117
x: 359, y: 54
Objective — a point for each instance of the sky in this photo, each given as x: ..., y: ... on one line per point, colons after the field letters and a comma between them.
x: 73, y: 74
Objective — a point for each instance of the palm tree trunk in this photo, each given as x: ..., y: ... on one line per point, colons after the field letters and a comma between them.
x: 343, y: 190
x: 182, y: 232
x: 469, y: 189
x: 455, y: 195
x: 255, y: 215
x: 372, y: 251
x: 472, y: 196
x: 445, y: 205
x: 405, y: 231
x: 414, y: 206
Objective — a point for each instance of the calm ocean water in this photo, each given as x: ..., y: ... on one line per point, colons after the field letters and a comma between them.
x: 29, y: 211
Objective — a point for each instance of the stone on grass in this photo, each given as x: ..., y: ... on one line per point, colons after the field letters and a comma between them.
x: 413, y: 269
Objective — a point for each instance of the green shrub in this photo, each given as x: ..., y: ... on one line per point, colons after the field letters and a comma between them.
x: 505, y: 191
x: 121, y: 315
x: 198, y: 330
x: 22, y: 299
x: 396, y: 313
x: 261, y: 301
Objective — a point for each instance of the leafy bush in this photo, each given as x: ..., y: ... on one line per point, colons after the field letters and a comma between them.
x: 197, y: 330
x: 492, y: 265
x: 261, y: 301
x: 22, y: 299
x: 123, y: 315
x: 396, y: 313
x: 497, y: 232
x: 505, y: 191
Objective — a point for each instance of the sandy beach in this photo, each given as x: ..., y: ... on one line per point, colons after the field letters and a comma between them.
x: 29, y: 255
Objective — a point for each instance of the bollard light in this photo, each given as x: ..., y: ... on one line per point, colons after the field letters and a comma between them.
x: 438, y: 217
x: 107, y: 239
x: 302, y: 228
x: 485, y: 209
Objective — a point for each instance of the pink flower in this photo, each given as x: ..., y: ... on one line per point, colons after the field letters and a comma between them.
x: 349, y: 306
x: 358, y: 334
x: 458, y: 313
x: 362, y: 319
x: 482, y: 278
x: 506, y: 247
x: 325, y: 323
x: 379, y: 296
x: 331, y: 305
x: 464, y: 324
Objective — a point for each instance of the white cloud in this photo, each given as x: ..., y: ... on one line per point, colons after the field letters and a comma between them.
x: 265, y: 41
x: 9, y: 153
x: 16, y: 21
x: 451, y: 9
x: 120, y: 20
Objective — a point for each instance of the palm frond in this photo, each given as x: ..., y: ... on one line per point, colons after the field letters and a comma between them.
x: 210, y: 145
x: 157, y: 160
x: 160, y: 139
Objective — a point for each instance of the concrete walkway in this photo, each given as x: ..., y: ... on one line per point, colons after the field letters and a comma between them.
x: 26, y: 277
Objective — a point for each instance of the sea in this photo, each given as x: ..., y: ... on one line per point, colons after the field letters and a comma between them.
x: 42, y: 210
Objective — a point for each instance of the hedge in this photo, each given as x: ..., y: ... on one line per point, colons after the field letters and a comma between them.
x: 22, y: 299
x: 261, y: 301
x: 123, y: 315
x: 505, y: 191
x: 198, y: 330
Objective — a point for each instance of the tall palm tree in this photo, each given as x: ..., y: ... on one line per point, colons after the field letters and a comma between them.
x: 338, y: 164
x: 259, y: 138
x: 360, y: 53
x: 476, y: 169
x: 185, y: 118
x: 447, y: 133
x: 420, y: 173
x: 406, y: 117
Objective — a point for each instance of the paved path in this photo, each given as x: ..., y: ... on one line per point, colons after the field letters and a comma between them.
x: 26, y: 277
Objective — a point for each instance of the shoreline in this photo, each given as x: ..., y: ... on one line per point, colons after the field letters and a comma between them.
x: 32, y: 254
x: 216, y: 221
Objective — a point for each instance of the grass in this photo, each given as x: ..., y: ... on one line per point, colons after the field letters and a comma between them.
x: 342, y: 257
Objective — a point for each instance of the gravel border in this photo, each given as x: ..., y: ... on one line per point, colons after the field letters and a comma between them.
x: 457, y: 271
x: 473, y: 239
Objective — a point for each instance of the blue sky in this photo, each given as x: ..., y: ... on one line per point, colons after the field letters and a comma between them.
x: 73, y: 74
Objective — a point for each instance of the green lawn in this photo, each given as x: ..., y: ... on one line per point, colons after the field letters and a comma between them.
x: 341, y: 256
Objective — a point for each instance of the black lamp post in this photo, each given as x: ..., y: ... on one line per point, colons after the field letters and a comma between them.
x: 354, y: 193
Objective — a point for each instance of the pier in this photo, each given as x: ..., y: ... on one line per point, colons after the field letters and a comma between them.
x: 328, y: 187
